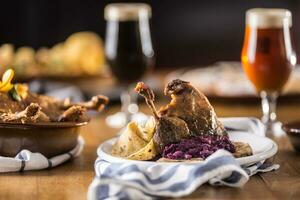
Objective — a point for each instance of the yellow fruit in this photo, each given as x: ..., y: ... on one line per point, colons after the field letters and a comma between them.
x: 6, y: 79
x: 22, y: 90
x: 8, y: 75
x: 7, y: 87
x: 6, y: 55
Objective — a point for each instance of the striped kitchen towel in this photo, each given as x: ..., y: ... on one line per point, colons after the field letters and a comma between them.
x: 27, y: 160
x: 149, y: 181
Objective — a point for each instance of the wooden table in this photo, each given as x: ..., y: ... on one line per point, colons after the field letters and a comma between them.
x: 71, y: 180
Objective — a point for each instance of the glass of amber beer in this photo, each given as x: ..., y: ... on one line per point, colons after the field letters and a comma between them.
x: 268, y: 56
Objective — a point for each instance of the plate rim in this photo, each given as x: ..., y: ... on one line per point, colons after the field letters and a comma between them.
x: 244, y: 161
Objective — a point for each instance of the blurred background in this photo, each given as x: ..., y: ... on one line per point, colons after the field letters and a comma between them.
x: 185, y: 33
x: 40, y: 39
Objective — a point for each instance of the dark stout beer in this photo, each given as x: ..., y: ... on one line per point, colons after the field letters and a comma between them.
x: 128, y: 42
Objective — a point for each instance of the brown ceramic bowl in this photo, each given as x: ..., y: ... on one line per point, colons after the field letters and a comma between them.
x: 293, y: 131
x: 50, y: 139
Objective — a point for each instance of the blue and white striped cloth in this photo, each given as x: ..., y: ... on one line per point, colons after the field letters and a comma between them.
x: 26, y: 160
x: 148, y: 180
x: 151, y: 180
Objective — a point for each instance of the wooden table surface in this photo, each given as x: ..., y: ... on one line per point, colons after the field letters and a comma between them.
x: 71, y: 180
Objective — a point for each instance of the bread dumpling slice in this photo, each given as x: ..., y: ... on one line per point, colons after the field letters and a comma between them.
x: 148, y: 129
x: 129, y: 141
x: 146, y: 153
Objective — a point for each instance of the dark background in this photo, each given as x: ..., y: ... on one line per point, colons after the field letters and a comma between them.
x: 185, y: 33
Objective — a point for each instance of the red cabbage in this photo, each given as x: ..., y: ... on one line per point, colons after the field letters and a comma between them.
x: 197, y: 147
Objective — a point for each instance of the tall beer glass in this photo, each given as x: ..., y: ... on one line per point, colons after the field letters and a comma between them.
x: 129, y: 52
x: 268, y: 56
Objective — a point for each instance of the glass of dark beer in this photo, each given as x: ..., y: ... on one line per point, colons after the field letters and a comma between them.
x: 129, y: 52
x: 268, y: 56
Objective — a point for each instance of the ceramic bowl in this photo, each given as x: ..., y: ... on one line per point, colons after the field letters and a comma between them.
x: 293, y: 131
x: 50, y: 139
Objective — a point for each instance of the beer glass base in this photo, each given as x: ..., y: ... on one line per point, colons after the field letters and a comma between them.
x: 273, y: 129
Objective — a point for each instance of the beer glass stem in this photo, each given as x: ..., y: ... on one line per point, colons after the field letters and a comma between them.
x: 129, y: 103
x: 269, y: 101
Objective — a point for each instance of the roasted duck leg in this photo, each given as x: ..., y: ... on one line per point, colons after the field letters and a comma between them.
x: 73, y: 114
x: 143, y: 90
x: 31, y: 114
x: 96, y: 103
x: 188, y: 114
x: 75, y: 111
x: 190, y: 105
x: 168, y: 129
x: 40, y: 108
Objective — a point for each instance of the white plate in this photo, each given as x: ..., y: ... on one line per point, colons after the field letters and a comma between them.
x: 262, y: 147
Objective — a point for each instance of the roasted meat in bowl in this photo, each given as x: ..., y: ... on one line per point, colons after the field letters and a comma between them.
x: 49, y: 139
x: 40, y: 123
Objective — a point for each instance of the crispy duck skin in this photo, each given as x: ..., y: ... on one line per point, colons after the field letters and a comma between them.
x: 46, y: 109
x: 73, y: 114
x: 168, y: 129
x: 31, y: 114
x: 192, y: 106
x: 188, y: 114
x: 96, y: 103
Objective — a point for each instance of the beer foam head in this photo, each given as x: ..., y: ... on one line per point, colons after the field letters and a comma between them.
x: 126, y: 11
x: 268, y: 18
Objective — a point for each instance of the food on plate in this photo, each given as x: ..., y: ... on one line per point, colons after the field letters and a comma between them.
x: 6, y: 55
x: 24, y: 61
x: 197, y: 147
x: 129, y: 142
x: 52, y: 60
x: 242, y: 149
x: 19, y: 105
x: 188, y: 114
x: 136, y: 142
x: 81, y: 54
x: 24, y: 57
x: 187, y: 128
x: 85, y: 51
x: 148, y: 152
